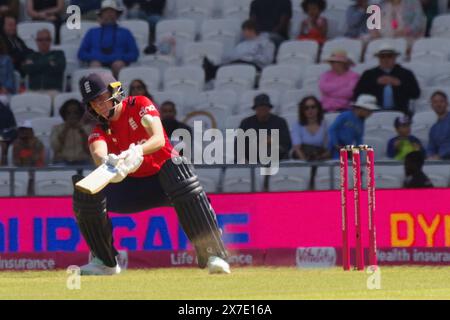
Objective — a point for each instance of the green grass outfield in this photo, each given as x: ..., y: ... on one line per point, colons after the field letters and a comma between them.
x: 244, y: 283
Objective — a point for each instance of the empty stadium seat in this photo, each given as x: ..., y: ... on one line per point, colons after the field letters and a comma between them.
x: 297, y: 52
x: 383, y: 118
x: 61, y: 98
x: 197, y: 10
x: 71, y: 55
x: 440, y: 74
x: 75, y: 36
x: 221, y: 97
x: 182, y: 30
x: 175, y: 96
x: 388, y: 177
x: 238, y: 180
x: 335, y: 13
x: 78, y: 74
x: 247, y: 99
x: 159, y: 61
x: 27, y: 31
x: 290, y: 179
x: 360, y: 68
x: 438, y: 174
x: 313, y: 73
x: 441, y: 26
x: 379, y: 144
x: 353, y: 47
x: 209, y: 179
x: 20, y: 184
x: 421, y: 70
x: 326, y: 180
x: 292, y: 98
x: 53, y: 183
x: 280, y: 78
x: 27, y: 106
x: 236, y: 77
x: 430, y: 50
x: 194, y: 52
x: 42, y: 128
x: 140, y: 31
x: 226, y: 31
x: 219, y: 111
x: 236, y: 9
x: 400, y: 44
x: 189, y: 80
x: 233, y: 122
x: 150, y: 76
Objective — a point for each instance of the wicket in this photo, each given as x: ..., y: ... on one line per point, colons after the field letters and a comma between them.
x: 356, y: 170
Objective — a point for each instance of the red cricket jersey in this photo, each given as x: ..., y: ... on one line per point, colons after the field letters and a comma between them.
x: 128, y: 129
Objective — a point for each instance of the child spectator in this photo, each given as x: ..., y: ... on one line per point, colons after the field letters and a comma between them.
x: 309, y: 134
x: 348, y: 128
x: 45, y: 68
x: 68, y: 140
x: 404, y: 143
x: 415, y: 177
x: 314, y: 27
x: 28, y: 150
x: 337, y: 85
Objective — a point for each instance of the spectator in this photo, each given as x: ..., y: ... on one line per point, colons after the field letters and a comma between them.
x: 48, y: 11
x: 16, y: 47
x: 9, y: 8
x: 415, y: 177
x: 88, y: 8
x: 439, y: 137
x: 309, y: 134
x: 168, y: 112
x: 149, y: 10
x: 356, y: 18
x: 45, y: 68
x: 266, y: 120
x: 8, y: 130
x: 337, y: 85
x: 314, y: 27
x: 431, y: 10
x: 348, y: 128
x: 7, y: 77
x: 138, y: 88
x: 404, y: 143
x: 401, y: 19
x: 272, y: 17
x: 28, y: 150
x: 393, y: 85
x: 109, y: 45
x: 68, y: 140
x: 255, y: 49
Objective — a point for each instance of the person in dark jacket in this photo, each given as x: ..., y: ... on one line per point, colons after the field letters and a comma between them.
x: 169, y: 120
x: 16, y: 47
x: 45, y: 68
x: 109, y: 45
x: 392, y: 85
x: 415, y: 177
x: 264, y: 119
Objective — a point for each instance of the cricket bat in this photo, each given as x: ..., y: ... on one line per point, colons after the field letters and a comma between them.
x: 97, y: 179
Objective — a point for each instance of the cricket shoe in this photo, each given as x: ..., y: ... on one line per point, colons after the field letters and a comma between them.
x: 96, y: 267
x: 217, y: 265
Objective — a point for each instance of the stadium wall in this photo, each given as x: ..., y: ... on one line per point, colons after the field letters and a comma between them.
x: 276, y: 229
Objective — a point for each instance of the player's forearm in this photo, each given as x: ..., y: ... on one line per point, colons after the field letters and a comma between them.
x: 153, y: 144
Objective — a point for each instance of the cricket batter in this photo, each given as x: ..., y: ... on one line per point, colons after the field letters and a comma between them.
x: 150, y: 174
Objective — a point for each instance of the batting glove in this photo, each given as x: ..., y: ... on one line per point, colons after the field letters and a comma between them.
x: 115, y: 161
x: 132, y: 158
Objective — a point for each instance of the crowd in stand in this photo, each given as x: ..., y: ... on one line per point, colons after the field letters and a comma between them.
x: 388, y: 86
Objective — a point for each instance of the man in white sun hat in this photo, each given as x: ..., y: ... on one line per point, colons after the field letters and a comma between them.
x: 348, y: 128
x: 392, y: 85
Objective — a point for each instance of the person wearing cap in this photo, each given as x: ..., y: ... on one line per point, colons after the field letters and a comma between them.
x: 266, y: 120
x: 348, y: 128
x: 68, y: 140
x: 439, y: 136
x: 415, y: 178
x: 45, y: 68
x: 392, y: 85
x: 49, y: 11
x: 404, y: 143
x: 337, y: 85
x: 401, y: 19
x: 28, y: 150
x: 109, y: 45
